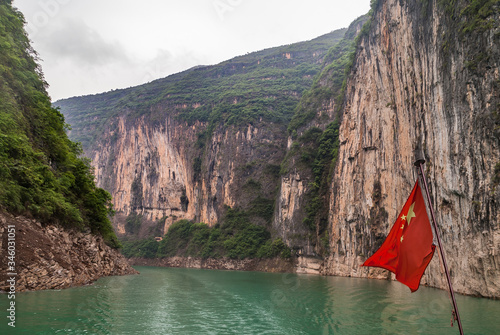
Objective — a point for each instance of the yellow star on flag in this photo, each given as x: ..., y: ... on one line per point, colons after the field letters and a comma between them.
x: 401, y: 239
x: 403, y: 217
x: 411, y: 213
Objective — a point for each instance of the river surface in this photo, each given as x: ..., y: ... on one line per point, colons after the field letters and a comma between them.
x: 190, y: 301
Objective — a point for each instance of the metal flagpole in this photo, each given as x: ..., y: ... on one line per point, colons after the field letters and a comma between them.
x: 419, y: 163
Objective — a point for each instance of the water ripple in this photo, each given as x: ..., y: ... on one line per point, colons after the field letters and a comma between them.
x: 186, y: 301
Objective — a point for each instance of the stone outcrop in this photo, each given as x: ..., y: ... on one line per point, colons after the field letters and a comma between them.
x: 49, y: 257
x: 413, y: 85
x: 309, y: 265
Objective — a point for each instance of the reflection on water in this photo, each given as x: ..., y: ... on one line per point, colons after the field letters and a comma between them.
x: 188, y: 301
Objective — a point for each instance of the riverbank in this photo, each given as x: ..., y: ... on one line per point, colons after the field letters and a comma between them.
x: 48, y: 257
x: 275, y: 265
x: 300, y: 264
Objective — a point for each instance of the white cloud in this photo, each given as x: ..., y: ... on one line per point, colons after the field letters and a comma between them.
x: 74, y: 40
x: 93, y: 45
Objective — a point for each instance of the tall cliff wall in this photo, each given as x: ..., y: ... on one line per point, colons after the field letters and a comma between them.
x: 146, y: 168
x: 151, y: 170
x: 298, y: 211
x: 301, y: 211
x: 422, y: 77
x: 187, y: 146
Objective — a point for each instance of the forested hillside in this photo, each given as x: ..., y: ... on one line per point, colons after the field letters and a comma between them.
x: 41, y: 171
x: 260, y: 86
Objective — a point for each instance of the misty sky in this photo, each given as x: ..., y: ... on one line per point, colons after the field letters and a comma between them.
x: 92, y: 46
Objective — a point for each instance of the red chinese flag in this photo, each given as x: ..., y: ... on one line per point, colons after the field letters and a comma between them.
x: 408, y: 248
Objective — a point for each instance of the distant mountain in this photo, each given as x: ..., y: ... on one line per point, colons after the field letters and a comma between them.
x: 265, y: 84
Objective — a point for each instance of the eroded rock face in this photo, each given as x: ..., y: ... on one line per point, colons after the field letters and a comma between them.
x: 408, y: 90
x: 49, y: 257
x: 147, y: 169
x: 159, y: 171
x: 289, y: 212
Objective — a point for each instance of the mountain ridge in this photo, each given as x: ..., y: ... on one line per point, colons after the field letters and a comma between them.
x: 154, y: 88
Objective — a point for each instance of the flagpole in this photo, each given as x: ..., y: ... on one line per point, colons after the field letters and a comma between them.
x: 419, y: 163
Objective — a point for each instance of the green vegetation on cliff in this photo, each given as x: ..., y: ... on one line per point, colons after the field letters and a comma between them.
x: 314, y: 128
x: 329, y: 84
x: 40, y: 170
x: 260, y: 86
x: 235, y: 238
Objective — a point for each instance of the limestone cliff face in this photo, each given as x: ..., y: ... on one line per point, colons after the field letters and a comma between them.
x: 146, y: 169
x: 417, y: 79
x: 290, y: 212
x: 315, y: 112
x: 152, y: 170
x: 187, y: 146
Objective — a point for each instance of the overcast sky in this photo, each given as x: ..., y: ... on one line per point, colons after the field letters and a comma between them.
x: 92, y: 46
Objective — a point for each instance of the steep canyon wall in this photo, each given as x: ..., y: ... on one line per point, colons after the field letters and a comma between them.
x: 189, y: 145
x: 158, y: 171
x: 418, y: 81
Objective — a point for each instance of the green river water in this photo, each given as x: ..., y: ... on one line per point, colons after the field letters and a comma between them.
x: 189, y: 301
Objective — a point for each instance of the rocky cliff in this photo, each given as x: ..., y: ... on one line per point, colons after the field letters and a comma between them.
x: 187, y: 146
x: 424, y: 79
x: 157, y: 171
x: 49, y: 257
x: 301, y: 212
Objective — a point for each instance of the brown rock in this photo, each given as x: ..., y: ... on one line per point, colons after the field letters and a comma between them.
x: 49, y: 257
